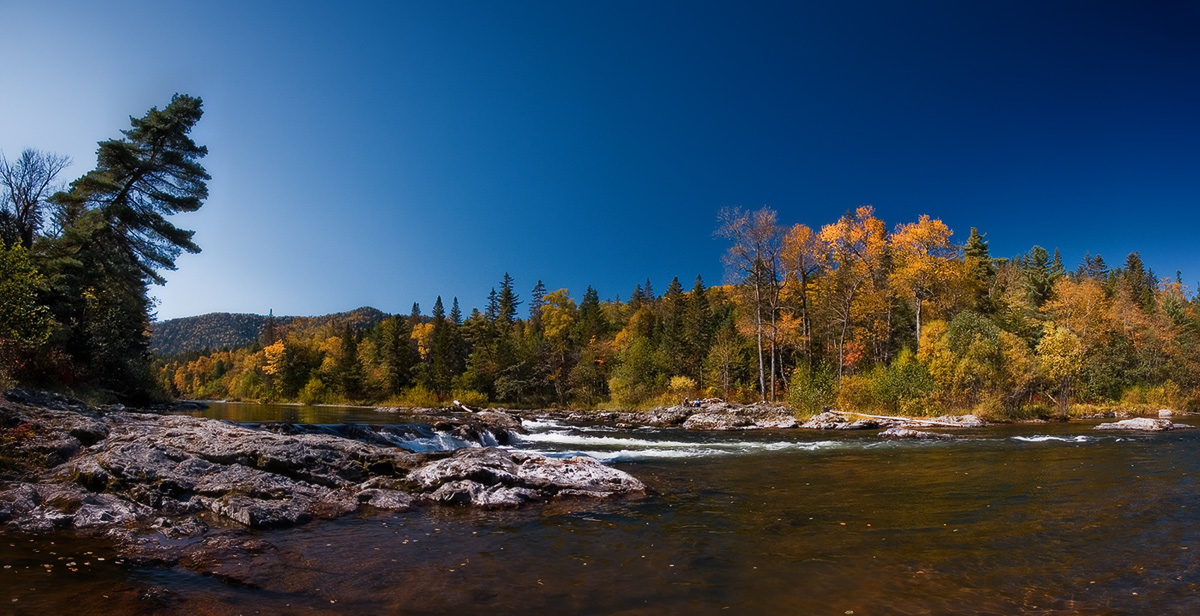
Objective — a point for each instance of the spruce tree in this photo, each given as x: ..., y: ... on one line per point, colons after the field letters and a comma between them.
x: 536, y: 302
x: 591, y: 316
x: 507, y: 301
x: 493, y: 307
x: 697, y: 329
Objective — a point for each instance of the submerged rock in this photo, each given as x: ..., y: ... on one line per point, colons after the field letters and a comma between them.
x: 905, y: 433
x: 1143, y: 424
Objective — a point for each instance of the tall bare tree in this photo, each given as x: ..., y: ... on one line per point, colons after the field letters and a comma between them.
x: 753, y: 262
x: 26, y: 183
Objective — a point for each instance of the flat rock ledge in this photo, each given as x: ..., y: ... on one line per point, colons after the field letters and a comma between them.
x: 89, y: 469
x: 1144, y: 424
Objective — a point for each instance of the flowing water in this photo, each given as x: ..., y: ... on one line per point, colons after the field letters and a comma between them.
x: 1040, y: 519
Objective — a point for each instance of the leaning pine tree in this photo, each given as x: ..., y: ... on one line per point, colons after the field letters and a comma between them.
x: 116, y: 239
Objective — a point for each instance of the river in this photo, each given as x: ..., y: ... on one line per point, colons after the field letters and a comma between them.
x: 1041, y: 519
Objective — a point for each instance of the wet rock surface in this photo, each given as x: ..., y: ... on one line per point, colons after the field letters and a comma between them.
x: 162, y: 485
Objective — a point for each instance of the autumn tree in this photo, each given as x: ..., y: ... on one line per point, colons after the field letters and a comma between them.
x: 800, y: 262
x: 854, y: 249
x: 924, y: 262
x: 559, y: 316
x: 1060, y: 360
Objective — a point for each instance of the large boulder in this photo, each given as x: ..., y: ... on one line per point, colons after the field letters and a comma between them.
x: 717, y: 421
x: 489, y: 477
x: 899, y: 433
x: 827, y: 420
x: 1143, y: 424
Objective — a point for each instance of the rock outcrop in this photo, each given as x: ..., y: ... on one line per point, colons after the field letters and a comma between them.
x: 74, y: 467
x: 898, y: 433
x: 1143, y: 424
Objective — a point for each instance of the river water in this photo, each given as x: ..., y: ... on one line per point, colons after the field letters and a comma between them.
x: 1039, y: 519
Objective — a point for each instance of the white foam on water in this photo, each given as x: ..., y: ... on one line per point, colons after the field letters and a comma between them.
x: 618, y: 449
x: 540, y: 424
x: 1041, y: 438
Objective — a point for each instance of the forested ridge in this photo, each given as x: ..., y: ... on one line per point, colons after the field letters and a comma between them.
x: 854, y: 314
x: 222, y: 330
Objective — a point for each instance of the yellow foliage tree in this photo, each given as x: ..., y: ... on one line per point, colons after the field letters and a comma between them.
x: 924, y: 262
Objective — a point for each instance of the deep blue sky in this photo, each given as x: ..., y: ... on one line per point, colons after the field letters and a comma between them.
x: 381, y: 154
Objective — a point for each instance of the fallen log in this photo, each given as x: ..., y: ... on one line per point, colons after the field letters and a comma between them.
x: 915, y: 420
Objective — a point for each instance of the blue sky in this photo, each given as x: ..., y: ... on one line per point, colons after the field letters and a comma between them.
x: 381, y: 154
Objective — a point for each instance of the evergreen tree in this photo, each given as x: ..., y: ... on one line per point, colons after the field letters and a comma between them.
x: 396, y: 354
x: 1056, y: 267
x: 1035, y: 269
x: 507, y: 301
x: 1139, y: 283
x: 154, y: 171
x: 414, y: 317
x: 115, y: 237
x: 493, y: 307
x: 635, y: 299
x: 673, y: 342
x: 455, y: 313
x: 592, y: 321
x: 536, y: 301
x: 349, y: 371
x: 984, y: 271
x: 697, y: 330
x: 1093, y: 267
x: 440, y: 361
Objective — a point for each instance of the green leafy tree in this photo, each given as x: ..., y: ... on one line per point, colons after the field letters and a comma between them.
x: 23, y: 322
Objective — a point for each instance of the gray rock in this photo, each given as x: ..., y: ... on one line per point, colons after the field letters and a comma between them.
x: 157, y: 472
x: 716, y: 421
x: 859, y: 424
x: 905, y: 433
x: 827, y: 420
x: 490, y: 477
x: 1143, y: 424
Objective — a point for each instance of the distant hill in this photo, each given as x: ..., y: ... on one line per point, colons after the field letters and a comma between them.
x: 217, y: 330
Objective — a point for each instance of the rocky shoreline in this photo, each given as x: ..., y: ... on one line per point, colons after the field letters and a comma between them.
x: 165, y: 488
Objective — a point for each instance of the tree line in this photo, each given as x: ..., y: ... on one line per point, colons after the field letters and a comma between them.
x: 852, y: 314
